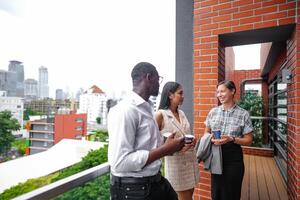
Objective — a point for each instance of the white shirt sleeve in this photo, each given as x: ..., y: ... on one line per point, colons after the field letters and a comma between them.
x: 122, y: 126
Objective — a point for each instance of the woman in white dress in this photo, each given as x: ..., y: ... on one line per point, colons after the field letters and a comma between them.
x: 181, y: 168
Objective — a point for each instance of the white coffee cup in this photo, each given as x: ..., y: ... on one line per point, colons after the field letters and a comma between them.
x: 188, y: 138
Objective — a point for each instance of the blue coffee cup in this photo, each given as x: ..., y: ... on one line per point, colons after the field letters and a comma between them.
x: 217, y: 134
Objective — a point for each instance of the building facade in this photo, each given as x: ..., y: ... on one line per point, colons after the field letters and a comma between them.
x: 93, y: 102
x: 13, y: 104
x: 59, y: 94
x: 43, y: 83
x: 43, y: 134
x: 8, y: 82
x: 31, y: 89
x: 70, y: 125
x: 18, y: 68
x: 49, y: 106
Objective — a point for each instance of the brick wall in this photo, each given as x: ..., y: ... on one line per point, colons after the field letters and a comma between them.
x: 276, y: 68
x: 214, y: 17
x: 239, y: 75
x: 266, y: 152
x: 293, y: 62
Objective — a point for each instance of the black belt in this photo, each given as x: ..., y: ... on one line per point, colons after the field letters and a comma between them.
x: 149, y: 179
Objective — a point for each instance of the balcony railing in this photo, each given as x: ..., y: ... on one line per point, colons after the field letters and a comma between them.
x: 276, y: 138
x: 54, y: 189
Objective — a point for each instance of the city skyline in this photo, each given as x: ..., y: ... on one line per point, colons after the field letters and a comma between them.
x: 91, y: 45
x: 86, y: 44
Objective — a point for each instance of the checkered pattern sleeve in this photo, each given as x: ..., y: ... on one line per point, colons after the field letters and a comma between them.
x: 208, y: 118
x: 248, y: 128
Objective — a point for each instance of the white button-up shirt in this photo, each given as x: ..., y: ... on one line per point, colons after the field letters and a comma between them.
x: 133, y: 132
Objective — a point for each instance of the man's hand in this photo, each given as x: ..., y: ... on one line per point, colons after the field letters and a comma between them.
x: 189, y: 146
x: 173, y: 144
x: 170, y: 146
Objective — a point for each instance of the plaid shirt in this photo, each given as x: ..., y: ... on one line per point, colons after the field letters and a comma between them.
x: 233, y: 122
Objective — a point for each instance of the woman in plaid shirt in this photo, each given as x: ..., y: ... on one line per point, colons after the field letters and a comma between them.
x: 236, y: 129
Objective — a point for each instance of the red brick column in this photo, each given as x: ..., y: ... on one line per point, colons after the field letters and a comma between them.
x: 293, y: 58
x: 214, y: 17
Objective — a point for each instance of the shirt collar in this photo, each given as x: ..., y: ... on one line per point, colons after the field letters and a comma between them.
x: 137, y: 99
x: 230, y: 110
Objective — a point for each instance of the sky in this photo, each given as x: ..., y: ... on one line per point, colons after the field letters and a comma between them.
x: 247, y: 56
x: 88, y: 42
x: 93, y: 42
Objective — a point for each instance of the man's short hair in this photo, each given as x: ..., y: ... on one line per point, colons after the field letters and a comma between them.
x: 141, y: 69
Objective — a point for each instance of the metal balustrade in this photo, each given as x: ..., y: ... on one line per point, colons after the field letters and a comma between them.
x: 54, y: 189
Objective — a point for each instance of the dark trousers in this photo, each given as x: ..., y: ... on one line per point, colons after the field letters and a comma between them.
x: 142, y: 190
x: 228, y: 186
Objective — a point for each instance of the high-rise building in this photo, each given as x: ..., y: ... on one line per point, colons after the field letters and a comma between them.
x: 18, y: 68
x: 8, y: 82
x: 43, y: 88
x: 3, y: 80
x: 31, y: 89
x: 3, y: 93
x: 59, y: 94
x: 93, y: 102
x: 78, y: 93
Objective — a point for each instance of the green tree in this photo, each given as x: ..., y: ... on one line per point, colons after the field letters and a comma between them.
x: 7, y: 125
x: 28, y: 111
x: 94, y: 189
x: 254, y: 105
x: 98, y: 119
x: 97, y: 189
x: 21, y: 145
x: 101, y: 135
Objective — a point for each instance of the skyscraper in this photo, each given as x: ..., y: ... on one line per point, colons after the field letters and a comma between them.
x: 8, y: 82
x: 31, y: 89
x: 18, y: 68
x: 43, y: 83
x: 59, y: 94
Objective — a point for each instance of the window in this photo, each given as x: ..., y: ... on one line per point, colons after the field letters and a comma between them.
x: 79, y: 120
x: 278, y: 122
x: 78, y: 136
x: 78, y: 128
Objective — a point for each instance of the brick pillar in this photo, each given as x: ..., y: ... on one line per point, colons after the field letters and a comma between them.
x: 293, y: 57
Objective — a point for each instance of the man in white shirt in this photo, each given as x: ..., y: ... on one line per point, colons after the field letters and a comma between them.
x: 135, y: 143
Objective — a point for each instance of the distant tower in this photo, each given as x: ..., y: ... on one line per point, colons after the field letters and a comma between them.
x: 18, y: 68
x: 31, y: 89
x: 8, y: 82
x: 79, y: 92
x: 59, y: 94
x: 43, y: 83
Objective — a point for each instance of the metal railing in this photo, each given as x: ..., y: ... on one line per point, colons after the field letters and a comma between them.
x: 277, y: 140
x: 54, y: 189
